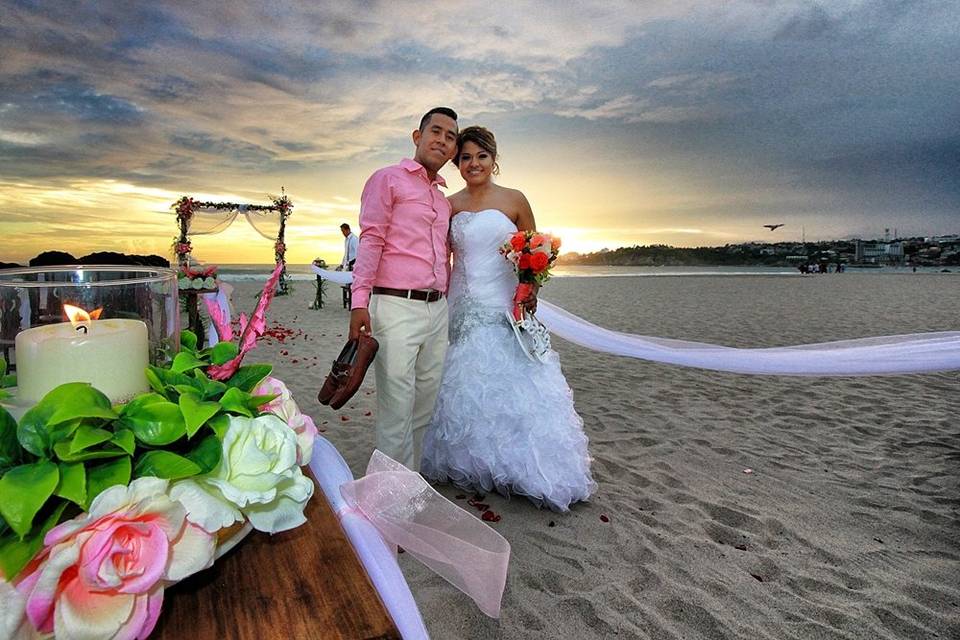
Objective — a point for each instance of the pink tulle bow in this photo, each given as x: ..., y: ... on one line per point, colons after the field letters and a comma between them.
x: 409, y: 513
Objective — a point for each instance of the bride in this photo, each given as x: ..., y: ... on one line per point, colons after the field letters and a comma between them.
x: 502, y: 421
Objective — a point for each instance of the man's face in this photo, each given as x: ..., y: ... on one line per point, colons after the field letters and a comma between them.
x: 437, y: 143
x: 345, y: 231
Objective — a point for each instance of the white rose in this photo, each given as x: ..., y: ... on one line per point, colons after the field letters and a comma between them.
x: 286, y: 408
x: 258, y: 477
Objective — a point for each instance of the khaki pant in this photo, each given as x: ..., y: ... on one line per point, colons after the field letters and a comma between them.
x: 413, y: 342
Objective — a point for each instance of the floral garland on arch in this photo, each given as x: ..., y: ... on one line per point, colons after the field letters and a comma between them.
x: 104, y: 506
x: 186, y: 207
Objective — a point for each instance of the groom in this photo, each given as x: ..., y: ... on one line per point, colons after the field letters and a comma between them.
x: 400, y: 283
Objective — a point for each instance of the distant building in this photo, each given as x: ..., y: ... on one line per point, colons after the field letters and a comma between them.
x: 878, y: 252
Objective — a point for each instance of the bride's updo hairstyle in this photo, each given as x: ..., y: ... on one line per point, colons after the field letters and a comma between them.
x: 483, y: 138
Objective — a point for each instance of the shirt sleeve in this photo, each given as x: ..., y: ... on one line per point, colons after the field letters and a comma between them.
x: 376, y: 208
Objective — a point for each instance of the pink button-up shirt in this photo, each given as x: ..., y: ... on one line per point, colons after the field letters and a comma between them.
x: 404, y: 221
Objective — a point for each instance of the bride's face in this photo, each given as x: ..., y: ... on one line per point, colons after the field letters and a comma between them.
x: 475, y: 163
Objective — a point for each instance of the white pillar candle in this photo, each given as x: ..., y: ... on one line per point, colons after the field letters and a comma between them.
x: 112, y: 355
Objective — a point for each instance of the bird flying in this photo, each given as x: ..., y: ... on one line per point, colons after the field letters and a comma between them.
x: 773, y: 227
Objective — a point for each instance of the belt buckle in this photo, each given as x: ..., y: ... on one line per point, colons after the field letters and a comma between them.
x: 409, y: 294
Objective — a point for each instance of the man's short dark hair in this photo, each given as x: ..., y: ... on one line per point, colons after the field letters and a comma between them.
x: 444, y: 111
x: 344, y: 226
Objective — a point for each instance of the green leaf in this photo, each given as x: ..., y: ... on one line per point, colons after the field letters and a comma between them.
x: 64, y: 430
x: 165, y: 464
x: 185, y: 361
x: 3, y: 366
x: 9, y: 380
x: 15, y: 554
x: 10, y: 452
x: 189, y: 388
x: 77, y: 400
x: 73, y: 483
x: 188, y: 340
x: 220, y: 424
x: 23, y: 490
x: 196, y: 412
x: 65, y: 403
x: 156, y: 423
x: 255, y: 402
x: 62, y: 451
x: 103, y: 476
x: 235, y: 401
x: 210, y: 388
x: 207, y: 453
x: 125, y: 440
x: 154, y: 380
x: 223, y: 352
x: 87, y: 436
x: 248, y: 377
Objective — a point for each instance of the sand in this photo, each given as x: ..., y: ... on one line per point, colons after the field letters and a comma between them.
x: 847, y: 526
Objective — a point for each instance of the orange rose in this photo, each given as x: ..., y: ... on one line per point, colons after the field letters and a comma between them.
x: 537, y: 241
x: 555, y: 244
x: 518, y: 240
x: 539, y: 262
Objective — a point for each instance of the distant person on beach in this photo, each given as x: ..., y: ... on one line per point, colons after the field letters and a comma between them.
x: 350, y: 244
x: 503, y: 420
x: 400, y: 284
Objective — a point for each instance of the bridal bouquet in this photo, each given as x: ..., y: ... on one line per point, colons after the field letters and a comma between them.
x: 532, y: 254
x: 103, y: 506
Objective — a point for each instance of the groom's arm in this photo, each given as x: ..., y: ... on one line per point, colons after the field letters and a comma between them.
x: 376, y: 206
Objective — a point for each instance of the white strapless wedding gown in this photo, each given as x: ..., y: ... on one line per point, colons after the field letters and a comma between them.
x: 502, y: 421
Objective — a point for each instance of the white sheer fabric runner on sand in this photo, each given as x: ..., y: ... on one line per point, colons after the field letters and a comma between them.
x: 883, y: 355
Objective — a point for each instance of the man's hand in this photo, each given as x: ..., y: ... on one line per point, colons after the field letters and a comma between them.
x: 360, y: 323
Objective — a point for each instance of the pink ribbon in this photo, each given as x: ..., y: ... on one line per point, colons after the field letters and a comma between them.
x: 409, y: 513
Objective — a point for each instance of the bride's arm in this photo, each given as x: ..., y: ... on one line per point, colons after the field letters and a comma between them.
x: 526, y: 222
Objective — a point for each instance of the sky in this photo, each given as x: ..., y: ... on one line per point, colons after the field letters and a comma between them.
x: 680, y: 123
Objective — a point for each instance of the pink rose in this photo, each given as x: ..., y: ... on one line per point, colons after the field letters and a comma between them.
x: 102, y: 574
x: 287, y: 410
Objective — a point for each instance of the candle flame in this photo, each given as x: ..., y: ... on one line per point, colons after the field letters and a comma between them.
x: 80, y: 318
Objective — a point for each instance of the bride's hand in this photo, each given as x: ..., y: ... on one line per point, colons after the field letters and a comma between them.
x: 530, y: 302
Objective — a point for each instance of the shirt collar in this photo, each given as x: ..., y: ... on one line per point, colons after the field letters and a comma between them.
x: 415, y: 167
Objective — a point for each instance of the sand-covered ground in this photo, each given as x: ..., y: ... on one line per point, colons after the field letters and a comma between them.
x: 847, y: 527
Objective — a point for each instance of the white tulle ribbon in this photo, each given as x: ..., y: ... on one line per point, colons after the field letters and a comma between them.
x: 338, y: 277
x: 456, y: 545
x: 884, y: 355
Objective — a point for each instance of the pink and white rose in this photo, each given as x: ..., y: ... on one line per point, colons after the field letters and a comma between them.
x: 102, y: 574
x: 285, y: 407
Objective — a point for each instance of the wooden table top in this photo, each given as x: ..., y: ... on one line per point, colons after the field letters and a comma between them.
x: 304, y: 583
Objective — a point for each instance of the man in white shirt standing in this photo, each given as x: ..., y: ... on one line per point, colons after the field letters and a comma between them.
x: 350, y: 245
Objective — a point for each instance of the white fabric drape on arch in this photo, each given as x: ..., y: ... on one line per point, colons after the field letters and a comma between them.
x: 882, y: 355
x: 206, y: 221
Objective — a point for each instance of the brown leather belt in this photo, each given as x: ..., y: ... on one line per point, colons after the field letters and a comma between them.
x: 410, y: 294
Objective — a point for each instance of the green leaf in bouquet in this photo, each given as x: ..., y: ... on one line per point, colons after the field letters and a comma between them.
x: 193, y: 388
x: 62, y: 451
x: 186, y: 361
x: 155, y: 382
x: 207, y: 453
x: 23, y: 490
x: 171, y: 378
x: 66, y: 403
x: 219, y: 424
x: 255, y: 402
x: 15, y: 554
x: 249, y: 376
x: 155, y: 423
x: 3, y: 366
x: 8, y: 380
x: 125, y: 440
x: 64, y: 430
x: 10, y: 452
x: 88, y: 436
x: 165, y: 464
x: 210, y: 388
x: 188, y: 340
x: 73, y: 483
x: 235, y: 401
x: 223, y: 352
x: 196, y: 411
x: 103, y: 476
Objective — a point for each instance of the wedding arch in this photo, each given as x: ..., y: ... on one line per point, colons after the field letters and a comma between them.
x: 195, y: 217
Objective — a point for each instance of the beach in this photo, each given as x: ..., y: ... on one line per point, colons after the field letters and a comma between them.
x: 729, y: 506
